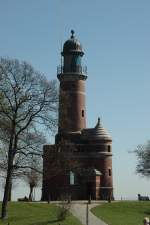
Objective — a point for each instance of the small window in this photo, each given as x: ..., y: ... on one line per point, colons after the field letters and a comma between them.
x: 72, y: 181
x: 109, y: 148
x: 82, y: 113
x: 109, y: 172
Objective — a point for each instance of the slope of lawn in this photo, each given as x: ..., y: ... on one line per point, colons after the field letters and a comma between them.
x: 36, y: 214
x: 123, y: 213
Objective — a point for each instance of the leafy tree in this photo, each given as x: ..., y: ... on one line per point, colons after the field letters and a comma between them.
x: 143, y: 159
x: 29, y: 104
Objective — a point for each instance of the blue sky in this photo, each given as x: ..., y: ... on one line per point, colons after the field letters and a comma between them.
x: 116, y: 38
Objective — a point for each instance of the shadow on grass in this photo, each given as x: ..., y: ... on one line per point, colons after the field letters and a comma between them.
x: 45, y: 222
x: 147, y: 212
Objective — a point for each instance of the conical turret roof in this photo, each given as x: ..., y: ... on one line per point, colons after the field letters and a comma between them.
x: 98, y: 133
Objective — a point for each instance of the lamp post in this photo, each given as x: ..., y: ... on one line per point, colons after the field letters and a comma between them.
x: 87, y: 214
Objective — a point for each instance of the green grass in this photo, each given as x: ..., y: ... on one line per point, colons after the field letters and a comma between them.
x: 123, y: 213
x: 36, y: 214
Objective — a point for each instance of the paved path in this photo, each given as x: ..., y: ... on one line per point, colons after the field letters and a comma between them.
x: 79, y: 210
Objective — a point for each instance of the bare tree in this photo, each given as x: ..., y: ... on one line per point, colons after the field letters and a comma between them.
x: 33, y: 176
x: 32, y: 145
x: 59, y: 160
x: 33, y: 179
x: 143, y: 159
x: 29, y: 100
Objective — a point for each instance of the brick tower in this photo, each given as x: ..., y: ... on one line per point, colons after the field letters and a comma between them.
x: 93, y: 146
x: 72, y: 76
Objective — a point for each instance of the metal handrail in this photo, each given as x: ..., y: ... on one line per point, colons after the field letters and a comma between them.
x: 73, y: 69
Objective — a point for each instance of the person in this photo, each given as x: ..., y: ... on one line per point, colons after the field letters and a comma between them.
x: 146, y: 221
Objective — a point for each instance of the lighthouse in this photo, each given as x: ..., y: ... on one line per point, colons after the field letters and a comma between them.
x: 72, y: 76
x: 93, y: 176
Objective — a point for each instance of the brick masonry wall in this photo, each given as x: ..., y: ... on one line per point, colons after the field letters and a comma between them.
x: 60, y: 184
x: 72, y: 112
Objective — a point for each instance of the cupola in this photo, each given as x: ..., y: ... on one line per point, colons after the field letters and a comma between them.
x: 71, y: 61
x: 72, y: 46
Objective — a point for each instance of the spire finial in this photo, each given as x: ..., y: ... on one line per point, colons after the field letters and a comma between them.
x: 72, y: 33
x: 98, y: 123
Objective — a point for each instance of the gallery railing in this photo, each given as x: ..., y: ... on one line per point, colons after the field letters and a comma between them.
x: 72, y: 69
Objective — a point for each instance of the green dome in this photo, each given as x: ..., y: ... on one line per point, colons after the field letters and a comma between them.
x: 72, y: 46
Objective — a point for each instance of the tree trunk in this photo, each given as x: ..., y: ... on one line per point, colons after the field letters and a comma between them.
x: 31, y: 193
x: 10, y: 191
x: 4, y: 213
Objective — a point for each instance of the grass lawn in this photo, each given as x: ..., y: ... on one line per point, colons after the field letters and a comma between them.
x: 36, y: 214
x: 123, y: 213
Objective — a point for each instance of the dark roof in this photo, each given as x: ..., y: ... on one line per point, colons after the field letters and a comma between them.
x: 98, y: 133
x: 72, y: 46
